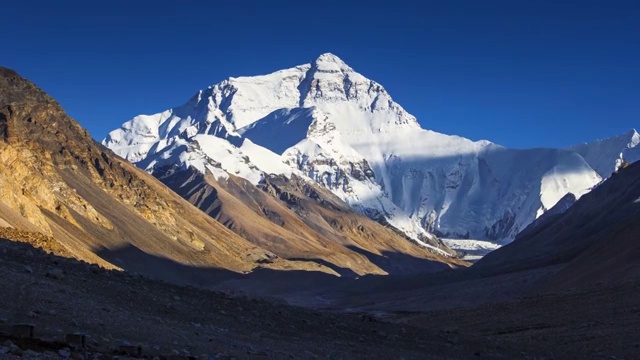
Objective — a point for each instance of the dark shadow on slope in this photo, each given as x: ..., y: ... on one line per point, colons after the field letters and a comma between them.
x: 279, y: 130
x: 596, y: 216
x: 395, y: 263
x: 132, y: 259
x: 298, y: 287
x: 510, y: 179
x: 260, y: 282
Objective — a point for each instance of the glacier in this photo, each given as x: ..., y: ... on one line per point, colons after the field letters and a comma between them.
x: 327, y: 123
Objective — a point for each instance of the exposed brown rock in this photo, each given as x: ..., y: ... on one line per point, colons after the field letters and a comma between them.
x: 301, y: 221
x: 57, y: 181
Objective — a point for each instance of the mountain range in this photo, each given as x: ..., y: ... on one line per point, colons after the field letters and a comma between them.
x: 324, y: 123
x: 69, y: 193
x: 301, y: 187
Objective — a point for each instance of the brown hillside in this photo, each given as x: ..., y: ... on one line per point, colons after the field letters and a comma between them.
x: 56, y: 180
x: 298, y: 220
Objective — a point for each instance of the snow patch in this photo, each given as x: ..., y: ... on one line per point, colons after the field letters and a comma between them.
x: 474, y: 249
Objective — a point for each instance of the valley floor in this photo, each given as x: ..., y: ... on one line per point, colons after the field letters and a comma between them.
x: 112, y: 307
x: 62, y: 296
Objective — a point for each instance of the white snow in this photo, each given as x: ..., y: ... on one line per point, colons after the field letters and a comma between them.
x: 330, y: 124
x: 474, y: 249
x: 606, y: 155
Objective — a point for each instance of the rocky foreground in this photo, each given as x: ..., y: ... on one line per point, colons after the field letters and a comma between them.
x: 124, y: 315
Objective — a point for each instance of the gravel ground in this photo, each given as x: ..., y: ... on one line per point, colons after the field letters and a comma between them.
x: 61, y: 296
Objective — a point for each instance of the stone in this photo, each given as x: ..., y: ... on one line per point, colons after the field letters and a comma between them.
x: 65, y: 353
x: 55, y: 273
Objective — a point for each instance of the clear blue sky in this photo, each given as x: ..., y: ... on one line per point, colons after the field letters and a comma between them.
x: 517, y: 72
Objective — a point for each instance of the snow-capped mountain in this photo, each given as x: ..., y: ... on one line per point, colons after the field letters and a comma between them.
x: 605, y: 156
x: 327, y: 123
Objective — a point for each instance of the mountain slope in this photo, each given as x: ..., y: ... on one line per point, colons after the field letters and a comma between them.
x: 596, y: 238
x: 605, y: 156
x: 327, y: 123
x: 296, y: 219
x: 55, y: 180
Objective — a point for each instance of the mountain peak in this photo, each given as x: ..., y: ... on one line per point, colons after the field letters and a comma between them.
x: 29, y: 115
x: 329, y: 57
x: 635, y: 138
x: 15, y: 88
x: 632, y: 138
x: 330, y: 62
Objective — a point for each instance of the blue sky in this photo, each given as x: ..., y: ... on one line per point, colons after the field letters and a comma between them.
x: 520, y: 73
